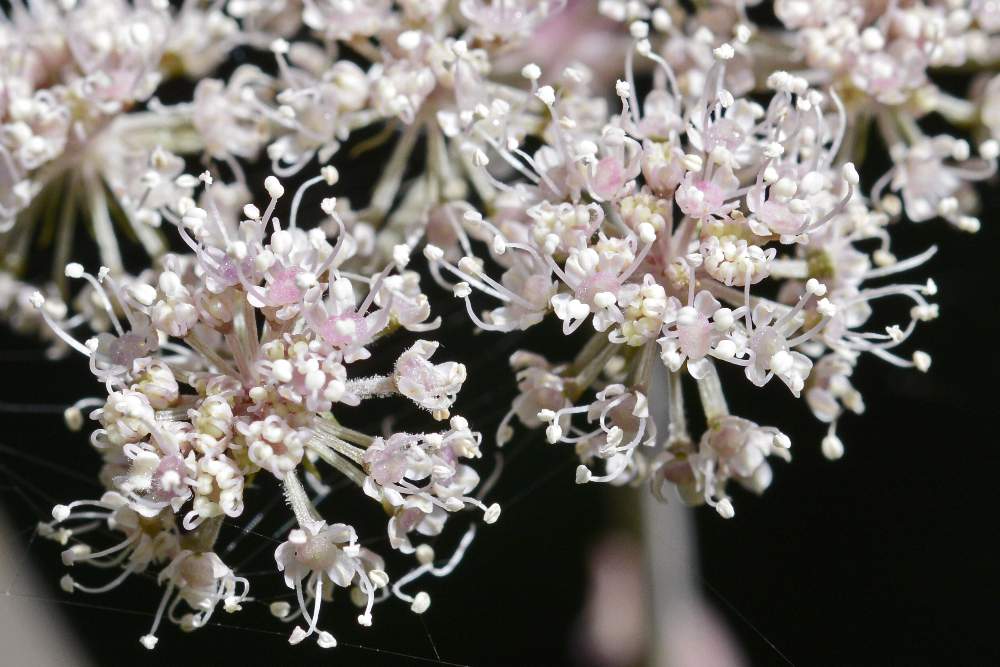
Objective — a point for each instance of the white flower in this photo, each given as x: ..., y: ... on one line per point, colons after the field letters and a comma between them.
x: 432, y: 386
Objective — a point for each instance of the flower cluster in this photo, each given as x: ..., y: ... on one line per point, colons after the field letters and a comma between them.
x: 82, y: 134
x: 674, y: 179
x: 707, y: 226
x: 229, y: 365
x: 82, y: 131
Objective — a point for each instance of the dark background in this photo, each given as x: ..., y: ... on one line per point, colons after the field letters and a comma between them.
x: 885, y: 557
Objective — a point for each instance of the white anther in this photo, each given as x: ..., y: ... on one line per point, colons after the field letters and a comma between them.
x: 421, y: 602
x: 850, y: 173
x: 409, y: 40
x: 814, y: 286
x: 577, y: 309
x: 725, y: 508
x: 639, y: 29
x: 781, y: 362
x: 785, y: 188
x: 401, y: 255
x: 989, y: 149
x: 143, y: 293
x: 433, y: 253
x: 872, y: 39
x: 647, y: 233
x: 282, y: 369
x: 661, y: 19
x: 280, y: 609
x: 330, y: 174
x: 723, y: 319
x: 328, y: 205
x: 832, y: 447
x: 883, y: 258
x: 726, y: 348
x: 724, y: 52
x: 73, y: 418
x: 773, y: 150
x: 604, y: 299
x: 274, y: 188
x: 379, y: 578
x: 547, y: 95
x: 546, y: 415
x: 425, y: 554
x: 692, y: 162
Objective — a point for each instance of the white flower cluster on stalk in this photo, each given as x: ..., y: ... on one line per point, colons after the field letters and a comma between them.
x: 230, y: 364
x: 83, y: 139
x: 716, y: 219
x: 74, y: 73
x: 83, y: 135
x: 692, y: 195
